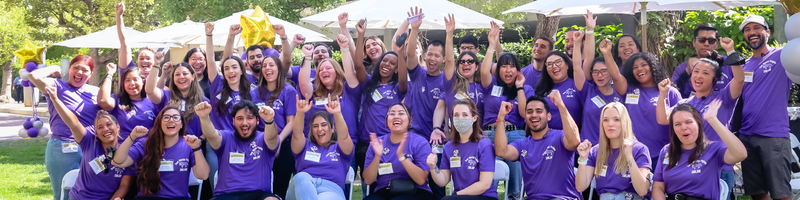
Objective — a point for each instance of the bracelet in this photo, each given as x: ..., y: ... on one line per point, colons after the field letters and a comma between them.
x: 209, y: 35
x: 284, y: 38
x: 520, y: 88
x: 308, y: 57
x: 196, y: 149
x: 499, y: 120
x: 345, y: 49
x: 438, y: 128
x: 582, y: 161
x: 589, y: 32
x: 270, y: 122
x: 132, y: 139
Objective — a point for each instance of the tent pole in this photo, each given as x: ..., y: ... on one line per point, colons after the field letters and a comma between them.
x: 644, y: 26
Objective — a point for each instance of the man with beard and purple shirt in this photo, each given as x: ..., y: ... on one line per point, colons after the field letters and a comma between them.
x: 705, y: 42
x: 765, y: 121
x: 546, y: 154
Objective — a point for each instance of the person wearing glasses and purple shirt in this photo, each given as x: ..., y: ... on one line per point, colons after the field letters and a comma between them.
x: 705, y: 42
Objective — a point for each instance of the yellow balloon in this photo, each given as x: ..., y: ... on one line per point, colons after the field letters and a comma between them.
x: 257, y: 29
x: 30, y: 52
x: 792, y: 6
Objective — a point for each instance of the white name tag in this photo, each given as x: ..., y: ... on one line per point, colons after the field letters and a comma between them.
x: 438, y: 148
x: 385, y: 168
x: 166, y: 166
x: 69, y: 147
x: 236, y: 158
x: 632, y: 99
x: 321, y: 101
x: 376, y: 96
x: 497, y: 91
x: 603, y: 170
x: 666, y: 159
x: 312, y: 156
x: 598, y: 101
x: 97, y: 164
x: 455, y: 162
x: 748, y: 77
x: 183, y: 105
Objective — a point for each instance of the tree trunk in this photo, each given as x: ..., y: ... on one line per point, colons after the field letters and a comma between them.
x: 5, y: 95
x: 546, y: 26
x: 100, y: 62
x: 660, y: 32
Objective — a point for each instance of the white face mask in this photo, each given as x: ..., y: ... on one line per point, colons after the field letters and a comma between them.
x: 462, y: 124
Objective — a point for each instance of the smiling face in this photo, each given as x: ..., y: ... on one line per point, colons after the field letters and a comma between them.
x: 388, y: 65
x: 611, y: 123
x: 569, y: 42
x: 397, y: 119
x: 627, y: 47
x: 79, y: 73
x: 508, y: 73
x: 374, y: 49
x: 434, y: 57
x: 540, y: 49
x: 322, y: 130
x: 198, y: 62
x: 703, y: 76
x: 600, y: 74
x: 536, y: 116
x: 171, y: 122
x: 320, y: 53
x: 255, y: 59
x: 182, y: 77
x: 467, y: 66
x: 133, y: 83
x: 327, y: 74
x: 756, y: 35
x: 245, y: 123
x: 146, y: 59
x: 106, y: 129
x: 641, y: 71
x: 557, y: 68
x: 705, y: 48
x: 232, y: 71
x: 685, y: 127
x: 270, y: 70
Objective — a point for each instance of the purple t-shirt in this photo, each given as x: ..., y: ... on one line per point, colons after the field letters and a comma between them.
x: 174, y: 177
x: 296, y: 71
x: 284, y: 106
x: 766, y: 97
x: 593, y: 103
x: 547, y: 167
x: 572, y: 99
x: 475, y: 157
x: 193, y: 126
x: 475, y: 93
x: 247, y: 173
x: 91, y: 185
x: 416, y: 150
x: 698, y: 179
x: 724, y: 113
x: 422, y: 97
x: 222, y: 121
x: 328, y: 163
x: 532, y: 76
x: 643, y: 115
x: 724, y: 79
x: 82, y: 101
x: 613, y: 182
x: 350, y: 102
x: 142, y: 113
x: 373, y: 116
x: 493, y: 100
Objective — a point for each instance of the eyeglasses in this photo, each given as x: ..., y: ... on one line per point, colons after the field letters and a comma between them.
x: 175, y: 118
x: 556, y: 62
x: 600, y: 71
x: 469, y: 62
x: 704, y: 39
x: 464, y: 48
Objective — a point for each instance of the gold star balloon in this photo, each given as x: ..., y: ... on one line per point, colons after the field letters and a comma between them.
x: 257, y: 29
x: 792, y: 6
x: 30, y: 52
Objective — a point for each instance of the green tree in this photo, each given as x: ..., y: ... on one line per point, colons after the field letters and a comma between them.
x: 13, y: 33
x: 211, y: 10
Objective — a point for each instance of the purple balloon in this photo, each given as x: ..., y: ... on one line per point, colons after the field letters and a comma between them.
x: 244, y: 56
x: 25, y: 84
x: 273, y: 52
x: 33, y: 132
x: 30, y: 66
x: 27, y: 125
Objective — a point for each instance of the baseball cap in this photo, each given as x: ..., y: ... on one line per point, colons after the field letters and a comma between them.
x: 753, y: 19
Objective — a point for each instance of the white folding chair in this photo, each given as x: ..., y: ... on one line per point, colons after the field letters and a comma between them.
x: 216, y: 175
x: 723, y: 189
x: 501, y: 173
x: 271, y: 181
x: 193, y: 181
x: 591, y: 186
x: 68, y: 181
x: 351, y: 176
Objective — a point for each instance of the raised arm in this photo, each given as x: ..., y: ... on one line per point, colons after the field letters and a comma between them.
x: 299, y: 140
x: 358, y: 57
x: 662, y: 111
x: 203, y: 110
x: 583, y: 179
x: 411, y: 50
x: 486, y: 67
x: 415, y: 172
x: 736, y: 151
x: 440, y: 177
x: 449, y: 54
x: 104, y: 99
x: 521, y: 96
x: 640, y: 175
x: 571, y: 132
x: 588, y: 44
x: 577, y: 61
x: 737, y: 83
x: 39, y: 77
x: 270, y: 130
x: 347, y: 62
x: 213, y: 71
x: 151, y: 87
x: 304, y: 76
x: 201, y: 169
x: 286, y: 56
x: 166, y: 70
x: 402, y: 73
x: 232, y: 32
x: 342, y: 133
x: 370, y: 174
x: 343, y: 18
x: 501, y: 147
x: 124, y: 160
x: 124, y: 50
x: 286, y: 52
x: 620, y: 84
x: 69, y: 118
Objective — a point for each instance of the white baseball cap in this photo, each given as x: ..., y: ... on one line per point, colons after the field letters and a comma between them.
x: 753, y: 19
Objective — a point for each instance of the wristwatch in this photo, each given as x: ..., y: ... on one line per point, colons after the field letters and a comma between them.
x: 402, y: 158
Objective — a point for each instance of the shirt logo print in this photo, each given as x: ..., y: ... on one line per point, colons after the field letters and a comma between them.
x: 697, y: 165
x: 767, y: 66
x: 277, y: 104
x: 255, y: 150
x: 333, y: 155
x: 524, y: 153
x: 654, y: 100
x: 435, y: 92
x: 548, y: 154
x: 183, y: 163
x: 569, y: 93
x: 117, y: 171
x: 472, y: 161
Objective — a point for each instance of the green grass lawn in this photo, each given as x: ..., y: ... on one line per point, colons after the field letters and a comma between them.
x: 22, y: 171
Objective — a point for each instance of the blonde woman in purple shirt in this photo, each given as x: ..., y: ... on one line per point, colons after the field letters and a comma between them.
x: 617, y: 153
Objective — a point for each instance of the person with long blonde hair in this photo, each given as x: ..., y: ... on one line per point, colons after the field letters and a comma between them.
x: 617, y: 153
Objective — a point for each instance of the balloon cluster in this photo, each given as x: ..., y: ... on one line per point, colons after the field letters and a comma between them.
x: 33, y: 127
x: 29, y: 67
x: 790, y: 52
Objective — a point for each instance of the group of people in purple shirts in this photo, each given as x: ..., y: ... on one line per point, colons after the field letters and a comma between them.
x: 258, y: 128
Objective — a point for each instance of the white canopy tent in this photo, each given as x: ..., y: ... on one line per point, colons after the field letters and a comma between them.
x: 106, y: 38
x: 178, y: 34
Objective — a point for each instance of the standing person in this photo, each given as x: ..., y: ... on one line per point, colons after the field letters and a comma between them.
x: 619, y: 164
x: 765, y: 129
x: 624, y: 47
x: 63, y: 153
x: 131, y: 105
x: 596, y: 95
x: 705, y: 43
x: 542, y: 46
x: 562, y: 77
x: 146, y: 59
x: 17, y: 85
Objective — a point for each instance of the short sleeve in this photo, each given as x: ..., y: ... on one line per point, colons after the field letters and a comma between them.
x: 216, y: 86
x: 164, y: 100
x: 642, y: 156
x: 87, y: 141
x: 529, y: 91
x: 520, y: 145
x: 295, y: 74
x: 289, y: 102
x: 593, y: 156
x: 421, y: 152
x: 719, y: 152
x: 130, y: 170
x: 414, y: 74
x: 446, y: 155
x: 486, y: 150
x: 673, y: 97
x: 137, y: 151
x: 370, y: 155
x: 660, y: 166
x: 299, y: 155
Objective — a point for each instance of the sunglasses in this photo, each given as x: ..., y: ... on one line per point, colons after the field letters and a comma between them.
x: 704, y: 39
x: 464, y: 48
x: 175, y: 118
x: 469, y: 62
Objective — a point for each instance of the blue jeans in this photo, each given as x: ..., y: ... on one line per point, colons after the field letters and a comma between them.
x: 729, y: 177
x: 213, y: 164
x: 305, y: 187
x: 620, y: 196
x: 515, y: 170
x: 58, y: 164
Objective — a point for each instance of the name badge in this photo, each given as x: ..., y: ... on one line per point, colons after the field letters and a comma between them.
x: 603, y: 170
x: 385, y: 168
x: 598, y: 101
x: 321, y: 101
x: 455, y: 162
x: 497, y: 91
x: 438, y: 148
x: 313, y: 156
x: 97, y: 164
x: 166, y: 166
x: 748, y: 77
x: 69, y: 147
x: 461, y: 95
x: 632, y: 99
x: 183, y: 105
x: 666, y: 159
x: 236, y: 158
x: 376, y: 96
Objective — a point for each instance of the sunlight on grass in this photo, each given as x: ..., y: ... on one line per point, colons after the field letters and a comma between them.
x: 22, y: 171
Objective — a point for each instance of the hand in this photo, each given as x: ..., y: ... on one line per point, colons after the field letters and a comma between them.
x: 166, y: 69
x: 111, y: 69
x: 279, y: 30
x: 138, y: 132
x: 627, y: 146
x: 584, y: 148
x: 520, y: 82
x: 432, y: 159
x: 333, y: 106
x: 664, y: 85
x: 120, y: 8
x: 727, y: 44
x: 267, y: 113
x: 361, y: 27
x: 304, y: 105
x: 52, y: 92
x: 159, y: 57
x: 343, y: 41
x: 202, y: 109
x: 56, y: 74
x: 591, y: 20
x: 298, y: 40
x: 209, y: 28
x: 450, y: 23
x: 416, y: 11
x: 192, y: 141
x: 605, y: 46
x: 235, y: 29
x: 436, y: 137
x: 343, y: 19
x: 377, y: 144
x: 578, y: 37
x: 505, y: 108
x: 556, y: 98
x: 494, y: 33
x: 713, y: 107
x: 400, y: 149
x: 307, y: 49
